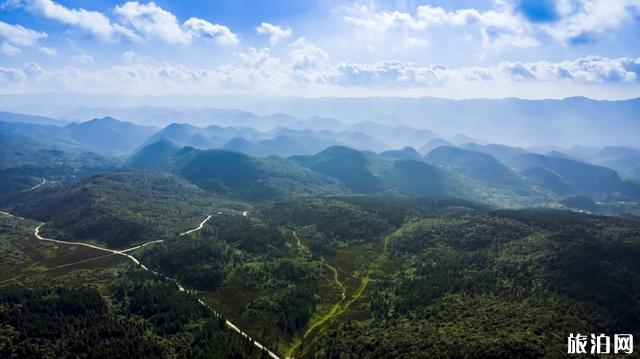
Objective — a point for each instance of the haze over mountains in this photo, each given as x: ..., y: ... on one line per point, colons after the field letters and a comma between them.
x: 567, y: 122
x: 279, y: 156
x: 312, y: 234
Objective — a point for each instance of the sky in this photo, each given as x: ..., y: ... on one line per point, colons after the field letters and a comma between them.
x: 453, y: 49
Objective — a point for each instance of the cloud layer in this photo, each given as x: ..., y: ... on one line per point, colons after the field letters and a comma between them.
x: 306, y: 68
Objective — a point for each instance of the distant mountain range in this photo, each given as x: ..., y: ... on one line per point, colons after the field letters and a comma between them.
x: 30, y: 119
x: 286, y: 162
x: 526, y: 179
x: 105, y: 136
x: 566, y: 122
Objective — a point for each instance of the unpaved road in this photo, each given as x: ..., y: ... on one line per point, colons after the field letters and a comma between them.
x: 44, y: 181
x: 229, y: 324
x: 335, y: 309
x: 197, y: 228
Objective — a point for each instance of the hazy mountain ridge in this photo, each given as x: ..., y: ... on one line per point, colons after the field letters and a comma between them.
x: 107, y: 135
x: 36, y: 120
x: 492, y: 173
x: 574, y: 120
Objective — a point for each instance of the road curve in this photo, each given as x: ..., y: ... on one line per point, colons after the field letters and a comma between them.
x: 44, y: 180
x: 324, y: 260
x: 10, y: 215
x: 197, y: 228
x: 36, y: 233
x: 336, y: 308
x: 229, y: 324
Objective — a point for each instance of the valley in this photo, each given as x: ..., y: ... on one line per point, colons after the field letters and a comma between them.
x: 325, y: 250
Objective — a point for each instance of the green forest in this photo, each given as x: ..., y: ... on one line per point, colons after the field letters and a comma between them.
x: 343, y: 277
x: 335, y: 255
x: 141, y: 317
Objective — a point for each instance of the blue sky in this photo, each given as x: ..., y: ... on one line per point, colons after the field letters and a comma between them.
x: 457, y: 49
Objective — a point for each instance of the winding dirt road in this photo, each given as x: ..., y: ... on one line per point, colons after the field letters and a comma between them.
x: 343, y: 305
x: 335, y: 309
x: 331, y: 268
x: 44, y: 181
x: 229, y: 324
x: 197, y: 228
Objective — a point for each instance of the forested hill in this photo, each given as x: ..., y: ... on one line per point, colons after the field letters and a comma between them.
x: 119, y: 209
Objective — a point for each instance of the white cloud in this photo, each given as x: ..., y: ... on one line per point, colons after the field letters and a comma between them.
x: 388, y: 73
x: 91, y: 21
x: 33, y: 70
x: 587, y: 70
x: 10, y: 4
x: 257, y: 70
x: 11, y: 76
x: 503, y: 25
x: 137, y: 21
x: 498, y: 27
x: 590, y: 69
x: 49, y: 51
x: 275, y: 32
x: 204, y: 29
x: 254, y: 58
x: 9, y: 50
x: 307, y: 56
x: 82, y: 58
x: 129, y: 57
x: 581, y: 19
x: 152, y: 21
x: 18, y: 35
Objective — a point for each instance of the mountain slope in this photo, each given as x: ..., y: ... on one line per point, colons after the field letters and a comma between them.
x: 154, y: 154
x: 119, y: 208
x: 283, y: 146
x: 31, y: 119
x: 579, y: 177
x: 476, y: 165
x: 25, y: 163
x: 433, y: 144
x: 108, y: 135
x: 622, y: 159
x: 487, y: 179
x: 406, y: 153
x: 46, y: 134
x: 248, y: 177
x: 416, y: 178
x: 369, y: 173
x: 346, y: 164
x: 213, y: 136
x: 503, y: 153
